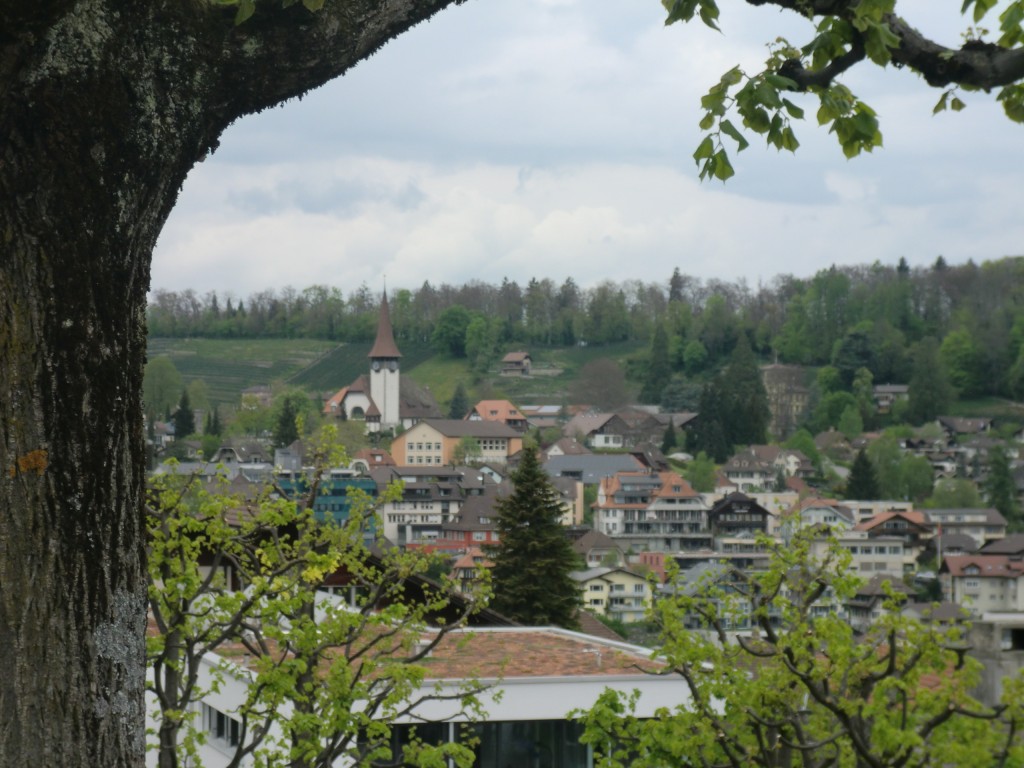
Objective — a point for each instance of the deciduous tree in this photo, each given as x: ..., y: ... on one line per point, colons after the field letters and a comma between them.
x: 106, y: 107
x: 802, y: 688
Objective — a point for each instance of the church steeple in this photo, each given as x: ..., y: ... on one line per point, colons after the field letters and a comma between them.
x: 384, y: 347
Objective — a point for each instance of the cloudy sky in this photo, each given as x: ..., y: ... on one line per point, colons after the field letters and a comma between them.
x: 548, y: 138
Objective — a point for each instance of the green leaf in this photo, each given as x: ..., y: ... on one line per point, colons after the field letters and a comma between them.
x: 730, y: 130
x: 956, y: 105
x: 707, y: 121
x: 313, y: 5
x: 246, y: 8
x: 793, y: 110
x: 705, y: 150
x: 941, y: 104
x: 709, y: 13
x: 722, y: 167
x: 789, y: 139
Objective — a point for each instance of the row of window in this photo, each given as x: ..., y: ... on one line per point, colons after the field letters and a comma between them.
x: 420, y: 446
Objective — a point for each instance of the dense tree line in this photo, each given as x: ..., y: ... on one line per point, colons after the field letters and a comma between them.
x: 874, y: 318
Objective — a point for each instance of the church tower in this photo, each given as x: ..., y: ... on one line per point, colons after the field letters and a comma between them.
x: 384, y: 371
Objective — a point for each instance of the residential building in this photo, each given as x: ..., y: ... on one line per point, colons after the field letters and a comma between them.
x: 614, y: 592
x: 984, y: 583
x: 516, y: 364
x: 431, y: 497
x: 870, y: 556
x: 500, y: 411
x: 737, y: 514
x: 983, y: 525
x: 655, y: 511
x: 594, y: 547
x: 759, y: 467
x: 433, y: 442
x: 873, y: 599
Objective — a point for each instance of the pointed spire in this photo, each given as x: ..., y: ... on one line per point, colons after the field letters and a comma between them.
x: 385, y: 345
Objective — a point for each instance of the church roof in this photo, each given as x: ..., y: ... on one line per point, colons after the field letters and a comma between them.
x: 385, y: 345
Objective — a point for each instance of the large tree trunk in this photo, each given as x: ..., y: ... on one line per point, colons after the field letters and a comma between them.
x: 104, y: 107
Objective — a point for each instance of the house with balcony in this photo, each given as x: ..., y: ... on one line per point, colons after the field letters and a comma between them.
x: 617, y: 593
x: 651, y: 511
x: 431, y: 497
x: 738, y: 515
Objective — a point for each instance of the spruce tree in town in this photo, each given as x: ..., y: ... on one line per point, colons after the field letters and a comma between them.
x: 863, y: 481
x: 533, y: 557
x: 459, y: 405
x: 184, y: 417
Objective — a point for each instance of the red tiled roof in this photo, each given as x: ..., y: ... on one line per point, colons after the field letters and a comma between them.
x: 541, y: 652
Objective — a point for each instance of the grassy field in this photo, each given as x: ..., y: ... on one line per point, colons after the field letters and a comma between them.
x: 229, y: 366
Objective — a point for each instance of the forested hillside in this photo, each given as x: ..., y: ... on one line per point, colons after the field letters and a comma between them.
x: 877, y: 317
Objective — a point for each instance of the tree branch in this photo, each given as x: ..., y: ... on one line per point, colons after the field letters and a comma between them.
x: 975, y: 64
x: 295, y: 50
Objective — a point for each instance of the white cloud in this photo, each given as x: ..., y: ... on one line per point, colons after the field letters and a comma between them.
x: 543, y: 138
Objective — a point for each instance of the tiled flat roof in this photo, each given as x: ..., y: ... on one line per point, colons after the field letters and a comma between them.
x: 533, y: 652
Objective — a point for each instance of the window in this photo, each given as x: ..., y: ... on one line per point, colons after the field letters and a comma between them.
x: 479, y: 536
x: 639, y: 588
x: 596, y: 587
x: 224, y: 731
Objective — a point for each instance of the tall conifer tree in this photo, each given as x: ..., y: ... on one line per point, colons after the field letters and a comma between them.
x: 533, y: 558
x: 863, y: 482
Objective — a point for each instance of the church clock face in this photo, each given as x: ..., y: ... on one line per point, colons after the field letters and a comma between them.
x: 393, y: 365
x: 376, y: 365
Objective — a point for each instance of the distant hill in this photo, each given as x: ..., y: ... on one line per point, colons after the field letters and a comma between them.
x: 229, y: 366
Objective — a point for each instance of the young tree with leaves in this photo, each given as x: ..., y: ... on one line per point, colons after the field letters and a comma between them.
x: 802, y: 688
x: 533, y: 557
x: 327, y: 678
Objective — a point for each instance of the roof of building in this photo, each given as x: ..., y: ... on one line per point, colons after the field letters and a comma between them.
x: 384, y: 345
x: 600, y: 572
x: 460, y: 428
x: 569, y: 446
x: 991, y: 516
x: 591, y: 467
x: 594, y: 539
x: 515, y: 357
x: 989, y: 566
x: 525, y: 652
x: 496, y: 410
x: 916, y: 518
x: 1013, y: 544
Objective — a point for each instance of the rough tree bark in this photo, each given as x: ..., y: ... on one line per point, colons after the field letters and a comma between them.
x: 105, y: 105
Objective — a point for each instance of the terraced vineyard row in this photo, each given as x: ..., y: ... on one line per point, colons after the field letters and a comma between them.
x: 343, y: 364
